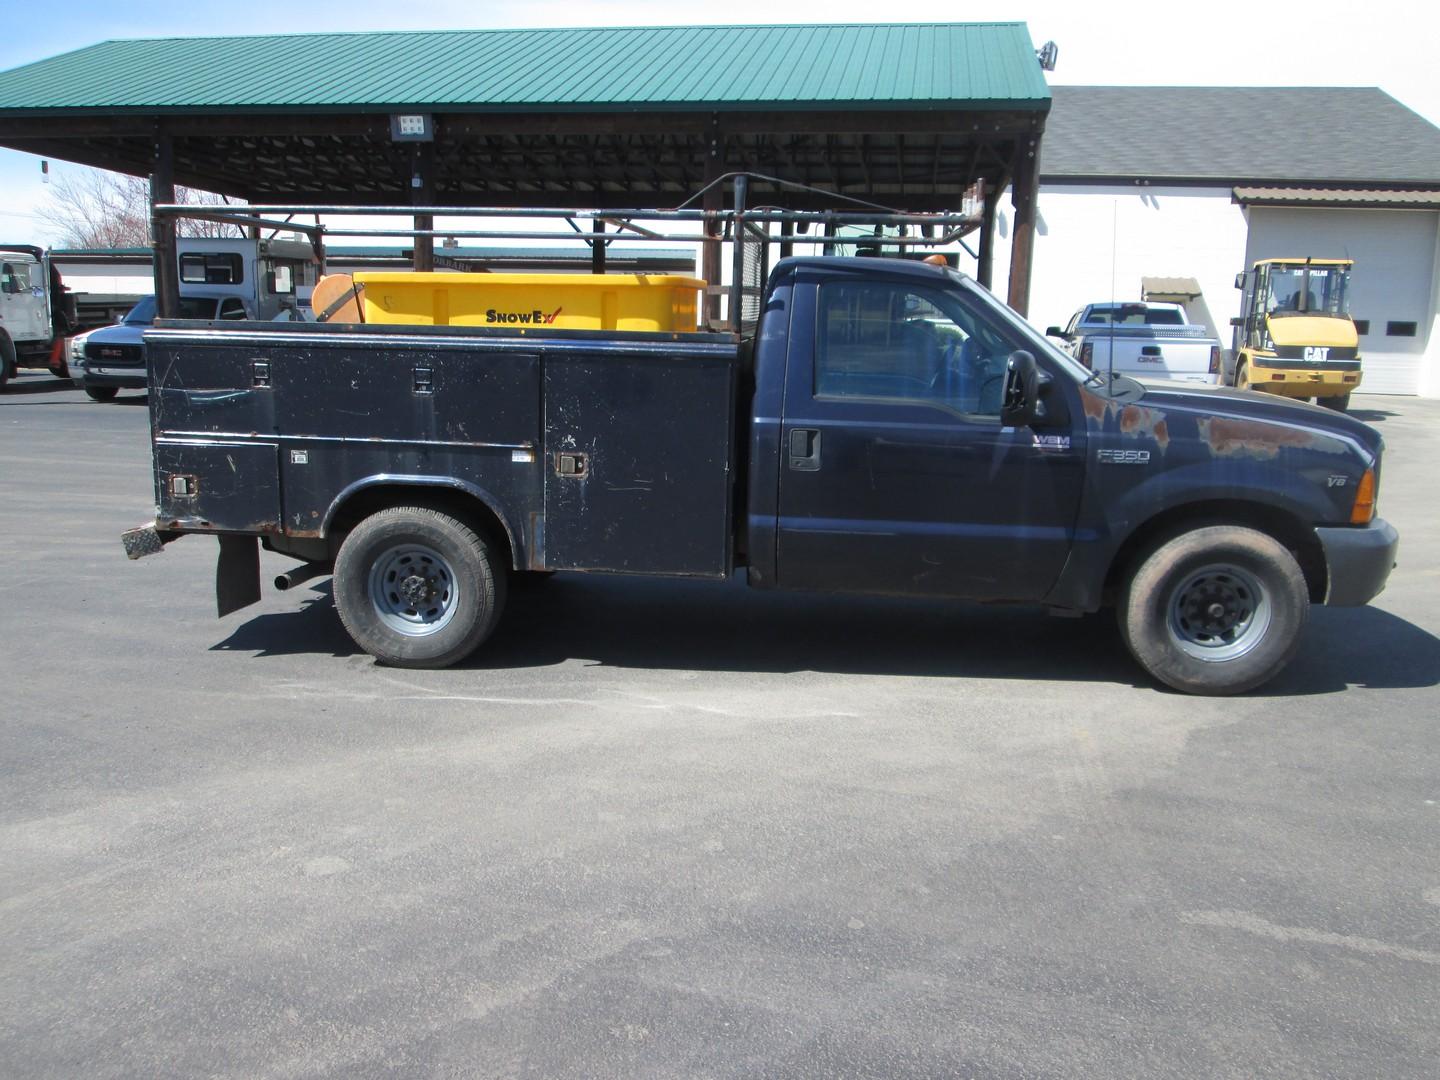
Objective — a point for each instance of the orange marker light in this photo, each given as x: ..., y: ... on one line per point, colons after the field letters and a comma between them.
x: 1364, y: 509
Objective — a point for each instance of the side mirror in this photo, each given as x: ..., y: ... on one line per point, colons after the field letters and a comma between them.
x: 1237, y: 321
x: 1054, y: 331
x: 1240, y: 280
x: 1021, y: 400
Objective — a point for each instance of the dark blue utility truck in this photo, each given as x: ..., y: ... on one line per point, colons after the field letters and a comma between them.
x: 889, y: 428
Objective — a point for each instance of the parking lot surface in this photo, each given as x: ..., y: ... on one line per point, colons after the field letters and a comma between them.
x: 673, y: 829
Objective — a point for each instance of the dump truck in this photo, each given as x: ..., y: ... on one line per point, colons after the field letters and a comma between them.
x: 888, y: 428
x: 1295, y: 337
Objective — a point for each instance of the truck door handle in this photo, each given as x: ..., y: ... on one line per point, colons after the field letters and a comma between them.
x: 805, y: 449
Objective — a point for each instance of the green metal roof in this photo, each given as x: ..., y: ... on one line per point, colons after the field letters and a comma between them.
x: 931, y: 66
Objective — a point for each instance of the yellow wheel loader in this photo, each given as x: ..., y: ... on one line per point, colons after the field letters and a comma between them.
x: 1295, y: 337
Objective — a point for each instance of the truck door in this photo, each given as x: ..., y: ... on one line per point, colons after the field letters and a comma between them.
x: 23, y: 311
x: 896, y: 475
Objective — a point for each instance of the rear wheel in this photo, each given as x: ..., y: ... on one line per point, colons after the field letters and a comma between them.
x: 417, y: 588
x: 1340, y: 403
x: 1217, y: 610
x: 101, y: 393
x: 1242, y: 376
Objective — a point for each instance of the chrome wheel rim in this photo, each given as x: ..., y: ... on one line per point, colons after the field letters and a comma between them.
x: 412, y: 588
x: 1219, y: 612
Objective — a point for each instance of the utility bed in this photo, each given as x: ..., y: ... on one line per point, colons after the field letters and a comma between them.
x: 609, y: 452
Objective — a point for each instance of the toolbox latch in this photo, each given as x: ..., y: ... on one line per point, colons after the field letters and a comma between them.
x: 260, y: 373
x: 572, y: 464
x: 424, y: 380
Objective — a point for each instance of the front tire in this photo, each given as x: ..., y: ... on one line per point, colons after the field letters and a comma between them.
x: 8, y: 361
x: 417, y: 588
x: 1242, y: 376
x: 1217, y: 610
x: 101, y: 393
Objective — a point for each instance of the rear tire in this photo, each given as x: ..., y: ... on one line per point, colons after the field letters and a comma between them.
x: 101, y: 393
x: 1340, y: 403
x: 1217, y: 610
x: 417, y: 588
x: 1242, y: 376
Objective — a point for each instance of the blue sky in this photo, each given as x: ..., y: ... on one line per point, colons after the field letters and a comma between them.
x: 1386, y: 43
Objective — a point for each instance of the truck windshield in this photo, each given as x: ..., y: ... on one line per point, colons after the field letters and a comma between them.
x: 1034, y: 342
x: 1308, y: 290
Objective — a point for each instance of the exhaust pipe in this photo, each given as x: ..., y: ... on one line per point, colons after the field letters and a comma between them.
x: 300, y: 575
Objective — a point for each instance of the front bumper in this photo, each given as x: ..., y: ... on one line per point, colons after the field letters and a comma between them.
x: 1360, y: 558
x: 97, y: 375
x: 1302, y: 382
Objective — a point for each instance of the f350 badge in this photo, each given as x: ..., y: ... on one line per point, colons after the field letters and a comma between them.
x: 1124, y: 457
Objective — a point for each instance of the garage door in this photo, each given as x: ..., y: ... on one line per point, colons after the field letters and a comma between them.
x: 1393, y: 286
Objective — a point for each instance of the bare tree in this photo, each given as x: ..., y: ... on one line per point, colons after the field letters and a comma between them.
x: 95, y: 209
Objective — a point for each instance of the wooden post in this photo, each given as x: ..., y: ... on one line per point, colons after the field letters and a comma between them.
x: 985, y: 271
x: 1024, y: 194
x: 597, y: 247
x: 163, y: 231
x: 737, y: 269
x: 714, y: 202
x: 319, y: 245
x: 422, y: 193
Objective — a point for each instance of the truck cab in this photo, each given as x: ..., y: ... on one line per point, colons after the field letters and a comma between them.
x: 34, y: 311
x: 272, y: 276
x: 1295, y: 337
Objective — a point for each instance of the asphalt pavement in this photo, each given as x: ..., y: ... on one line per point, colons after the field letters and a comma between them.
x: 671, y: 830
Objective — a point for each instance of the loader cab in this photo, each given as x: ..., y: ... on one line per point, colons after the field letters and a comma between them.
x: 1288, y: 288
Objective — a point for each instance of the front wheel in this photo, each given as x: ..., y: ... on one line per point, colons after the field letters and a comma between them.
x: 417, y: 588
x: 1217, y: 610
x: 8, y: 367
x: 101, y: 393
x: 1242, y: 376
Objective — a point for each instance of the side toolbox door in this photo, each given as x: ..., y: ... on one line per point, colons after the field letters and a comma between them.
x: 896, y: 475
x: 217, y: 457
x: 218, y: 486
x: 639, y: 460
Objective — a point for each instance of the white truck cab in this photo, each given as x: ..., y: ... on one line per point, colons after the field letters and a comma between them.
x: 30, y: 321
x: 270, y: 275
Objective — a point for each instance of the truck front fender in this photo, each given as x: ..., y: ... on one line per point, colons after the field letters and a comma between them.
x: 1112, y: 528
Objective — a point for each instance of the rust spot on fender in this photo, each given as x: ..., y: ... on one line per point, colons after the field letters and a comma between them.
x: 1138, y: 420
x: 1228, y: 437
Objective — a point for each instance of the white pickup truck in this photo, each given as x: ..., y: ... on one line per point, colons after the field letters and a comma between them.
x: 1144, y: 341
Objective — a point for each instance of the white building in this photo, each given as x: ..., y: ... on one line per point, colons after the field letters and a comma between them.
x: 1171, y: 191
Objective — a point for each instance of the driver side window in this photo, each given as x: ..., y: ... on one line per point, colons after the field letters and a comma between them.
x: 879, y: 341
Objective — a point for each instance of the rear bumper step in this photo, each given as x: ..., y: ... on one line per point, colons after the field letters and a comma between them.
x: 146, y: 540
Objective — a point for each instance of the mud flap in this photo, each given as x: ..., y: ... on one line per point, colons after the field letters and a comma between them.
x: 237, y: 574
